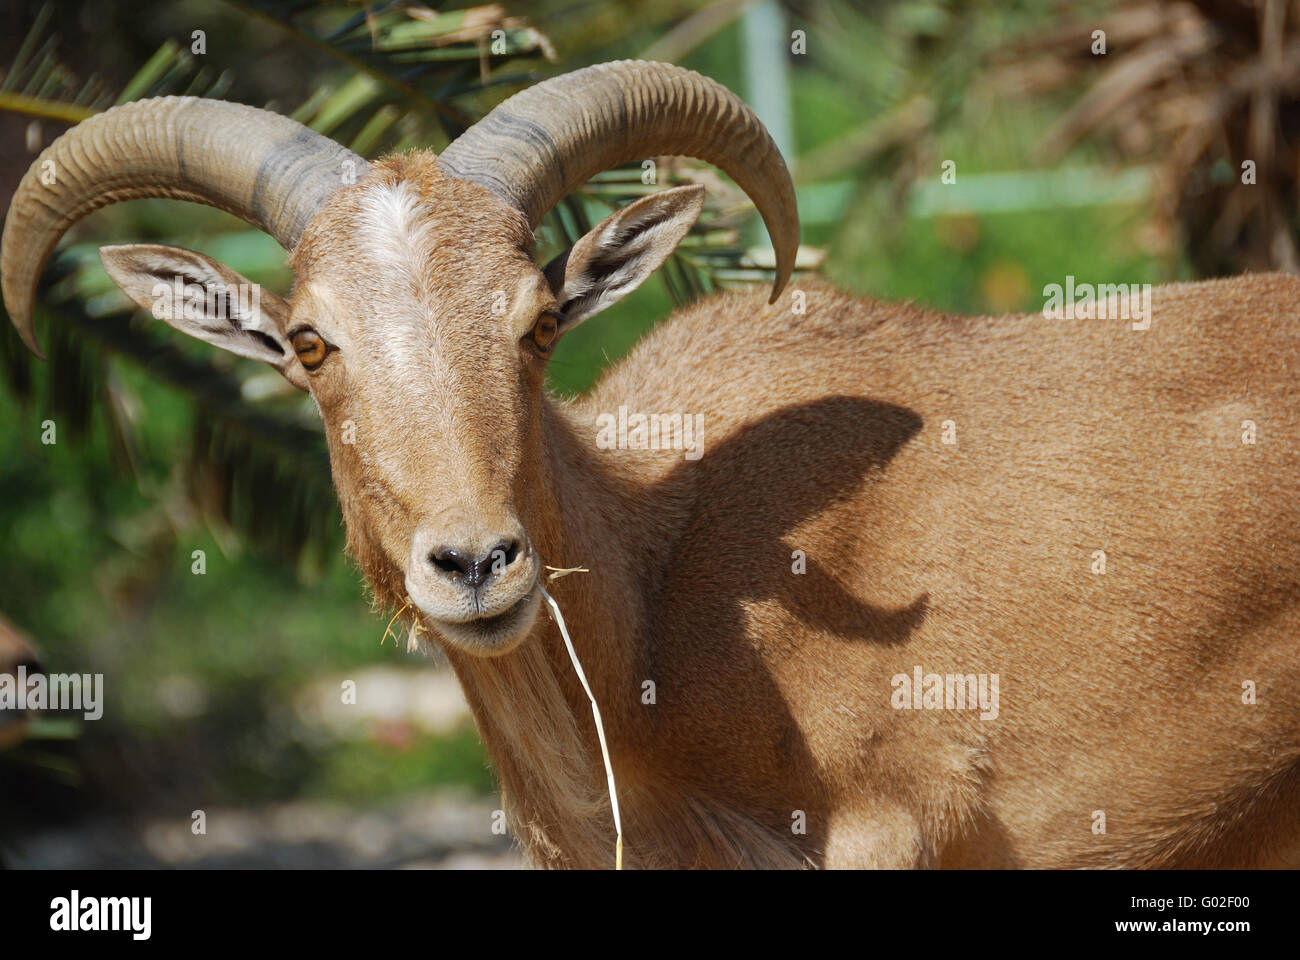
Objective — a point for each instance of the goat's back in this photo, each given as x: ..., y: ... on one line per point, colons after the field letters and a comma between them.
x: 1104, y: 517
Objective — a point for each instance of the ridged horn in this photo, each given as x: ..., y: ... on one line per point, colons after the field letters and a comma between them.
x: 543, y: 142
x: 266, y: 169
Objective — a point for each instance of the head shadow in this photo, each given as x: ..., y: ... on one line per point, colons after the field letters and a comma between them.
x: 766, y: 479
x: 743, y: 503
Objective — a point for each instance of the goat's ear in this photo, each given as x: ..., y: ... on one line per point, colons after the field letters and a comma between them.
x: 626, y: 247
x: 205, y: 299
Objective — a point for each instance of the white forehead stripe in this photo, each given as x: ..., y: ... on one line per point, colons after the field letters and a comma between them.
x: 395, y: 226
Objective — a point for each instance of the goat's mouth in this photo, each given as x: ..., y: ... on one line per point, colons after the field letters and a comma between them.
x: 494, y: 634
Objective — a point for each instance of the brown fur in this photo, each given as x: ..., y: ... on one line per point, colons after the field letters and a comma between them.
x: 1120, y: 692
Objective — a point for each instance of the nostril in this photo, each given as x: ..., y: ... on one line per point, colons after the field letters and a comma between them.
x: 506, y: 552
x: 449, y: 561
x: 458, y: 565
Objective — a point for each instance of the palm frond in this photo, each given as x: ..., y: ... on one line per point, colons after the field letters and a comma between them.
x: 259, y: 466
x: 425, y: 58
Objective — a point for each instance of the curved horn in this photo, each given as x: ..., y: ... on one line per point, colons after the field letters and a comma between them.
x: 264, y: 168
x: 544, y: 141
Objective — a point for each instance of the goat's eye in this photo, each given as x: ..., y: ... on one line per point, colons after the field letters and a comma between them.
x: 310, y: 347
x: 545, y: 330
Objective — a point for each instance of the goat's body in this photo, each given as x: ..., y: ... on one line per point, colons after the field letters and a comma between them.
x: 1120, y: 692
x: 1069, y: 506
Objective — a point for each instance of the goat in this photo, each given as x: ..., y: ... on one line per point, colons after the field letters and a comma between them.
x: 887, y: 495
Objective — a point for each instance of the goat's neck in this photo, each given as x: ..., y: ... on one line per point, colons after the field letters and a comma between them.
x: 530, y: 707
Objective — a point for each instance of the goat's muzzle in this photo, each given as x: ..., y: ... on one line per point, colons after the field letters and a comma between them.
x: 476, y: 589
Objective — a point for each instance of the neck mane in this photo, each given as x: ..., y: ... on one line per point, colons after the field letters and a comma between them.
x: 601, y: 513
x: 530, y: 707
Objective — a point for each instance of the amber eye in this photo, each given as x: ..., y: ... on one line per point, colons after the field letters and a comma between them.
x: 545, y: 330
x: 310, y: 347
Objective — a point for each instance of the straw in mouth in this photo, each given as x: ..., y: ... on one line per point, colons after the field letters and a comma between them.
x: 600, y: 727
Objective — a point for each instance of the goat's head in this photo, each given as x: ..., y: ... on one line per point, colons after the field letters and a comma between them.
x: 418, y: 321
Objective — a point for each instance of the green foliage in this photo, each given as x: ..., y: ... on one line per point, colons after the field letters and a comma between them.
x: 362, y: 772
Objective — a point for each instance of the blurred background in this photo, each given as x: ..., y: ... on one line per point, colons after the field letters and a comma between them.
x: 960, y: 153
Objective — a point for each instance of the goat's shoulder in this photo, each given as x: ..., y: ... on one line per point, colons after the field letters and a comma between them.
x: 731, y: 346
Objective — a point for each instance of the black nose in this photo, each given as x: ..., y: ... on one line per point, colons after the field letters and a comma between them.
x: 474, y: 571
